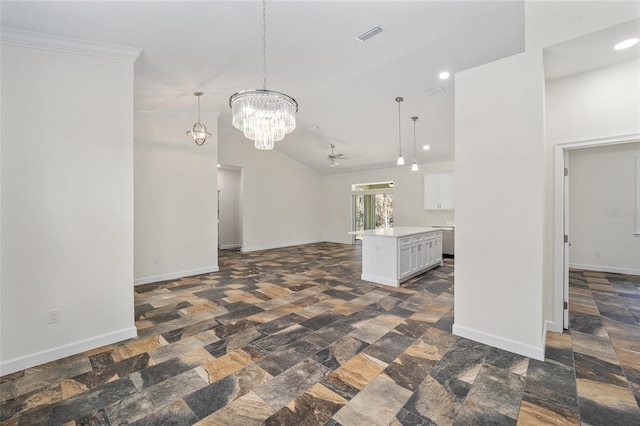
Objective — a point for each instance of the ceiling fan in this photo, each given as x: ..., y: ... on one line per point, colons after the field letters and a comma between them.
x: 333, y: 157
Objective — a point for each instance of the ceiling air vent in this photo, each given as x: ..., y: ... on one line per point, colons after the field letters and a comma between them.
x: 366, y: 36
x: 434, y: 91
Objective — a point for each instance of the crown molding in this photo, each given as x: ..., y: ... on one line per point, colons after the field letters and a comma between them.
x: 35, y: 40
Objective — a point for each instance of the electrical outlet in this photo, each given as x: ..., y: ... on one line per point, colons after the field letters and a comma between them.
x: 597, y: 253
x: 156, y: 260
x: 53, y: 316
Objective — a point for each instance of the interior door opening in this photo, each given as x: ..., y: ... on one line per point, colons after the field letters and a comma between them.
x: 372, y: 206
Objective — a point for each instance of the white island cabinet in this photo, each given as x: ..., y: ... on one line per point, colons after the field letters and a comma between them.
x: 393, y: 255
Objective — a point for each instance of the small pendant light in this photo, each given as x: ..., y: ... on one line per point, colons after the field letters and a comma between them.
x: 414, y: 167
x: 400, y: 161
x: 199, y: 132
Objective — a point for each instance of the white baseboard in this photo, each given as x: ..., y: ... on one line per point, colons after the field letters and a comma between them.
x: 600, y: 268
x: 500, y: 342
x: 339, y: 241
x: 175, y: 275
x: 379, y: 280
x: 38, y: 358
x: 229, y: 246
x: 279, y: 245
x: 556, y: 327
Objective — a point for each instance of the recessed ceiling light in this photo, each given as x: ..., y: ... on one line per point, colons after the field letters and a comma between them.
x: 426, y: 147
x: 366, y: 36
x: 444, y: 75
x: 625, y: 44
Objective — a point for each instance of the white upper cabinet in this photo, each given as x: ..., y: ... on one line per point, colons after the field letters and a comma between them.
x: 438, y: 192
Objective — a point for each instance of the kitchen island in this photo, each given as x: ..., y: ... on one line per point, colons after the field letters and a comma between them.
x: 393, y: 255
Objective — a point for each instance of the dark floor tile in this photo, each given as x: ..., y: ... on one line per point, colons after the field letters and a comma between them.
x: 80, y: 405
x: 343, y: 295
x: 211, y: 398
x: 593, y: 413
x: 316, y: 406
x: 389, y: 346
x: 413, y: 328
x: 95, y: 418
x: 587, y: 324
x: 176, y: 414
x: 284, y: 388
x: 554, y: 382
x: 463, y: 357
x: 283, y: 337
x: 159, y: 372
x: 407, y: 418
x: 230, y: 329
x: 321, y: 320
x: 595, y: 369
x: 281, y: 323
x: 329, y: 334
x: 287, y: 357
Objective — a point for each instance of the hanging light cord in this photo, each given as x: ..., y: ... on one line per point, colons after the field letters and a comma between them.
x: 399, y: 99
x: 198, y: 96
x: 414, y: 137
x: 264, y: 44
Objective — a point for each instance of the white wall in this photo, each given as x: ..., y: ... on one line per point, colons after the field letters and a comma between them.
x: 499, y: 191
x: 408, y: 199
x: 502, y: 255
x: 602, y: 182
x: 599, y: 104
x: 67, y: 203
x: 175, y: 197
x: 229, y: 187
x: 282, y: 199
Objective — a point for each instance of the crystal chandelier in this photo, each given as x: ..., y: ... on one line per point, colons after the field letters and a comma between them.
x: 400, y: 161
x: 199, y: 132
x: 264, y: 116
x: 414, y: 167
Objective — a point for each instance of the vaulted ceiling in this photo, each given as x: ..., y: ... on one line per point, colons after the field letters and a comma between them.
x: 346, y: 89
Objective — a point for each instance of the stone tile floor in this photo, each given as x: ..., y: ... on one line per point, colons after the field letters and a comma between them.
x: 294, y: 337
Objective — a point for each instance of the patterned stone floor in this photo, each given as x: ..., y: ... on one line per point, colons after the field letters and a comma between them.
x: 294, y: 337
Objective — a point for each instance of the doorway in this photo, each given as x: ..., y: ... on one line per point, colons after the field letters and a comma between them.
x: 562, y: 235
x: 229, y: 208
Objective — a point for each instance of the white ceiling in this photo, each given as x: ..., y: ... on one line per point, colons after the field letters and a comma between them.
x: 344, y: 87
x: 591, y: 51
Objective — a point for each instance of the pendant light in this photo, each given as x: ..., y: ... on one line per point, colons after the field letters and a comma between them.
x: 400, y: 161
x: 414, y: 166
x: 199, y: 132
x: 264, y: 116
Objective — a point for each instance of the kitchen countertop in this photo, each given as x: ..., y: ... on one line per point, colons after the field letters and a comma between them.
x: 397, y: 232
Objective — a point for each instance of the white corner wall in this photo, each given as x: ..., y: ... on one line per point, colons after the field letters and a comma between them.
x: 67, y: 204
x: 504, y: 290
x: 408, y: 199
x: 602, y: 183
x: 499, y: 191
x: 281, y: 199
x: 175, y: 197
x: 229, y: 188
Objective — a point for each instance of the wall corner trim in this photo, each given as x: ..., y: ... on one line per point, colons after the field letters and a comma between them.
x: 38, y: 358
x: 500, y: 342
x: 35, y: 40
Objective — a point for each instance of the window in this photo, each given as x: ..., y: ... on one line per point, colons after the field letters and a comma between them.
x: 372, y: 206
